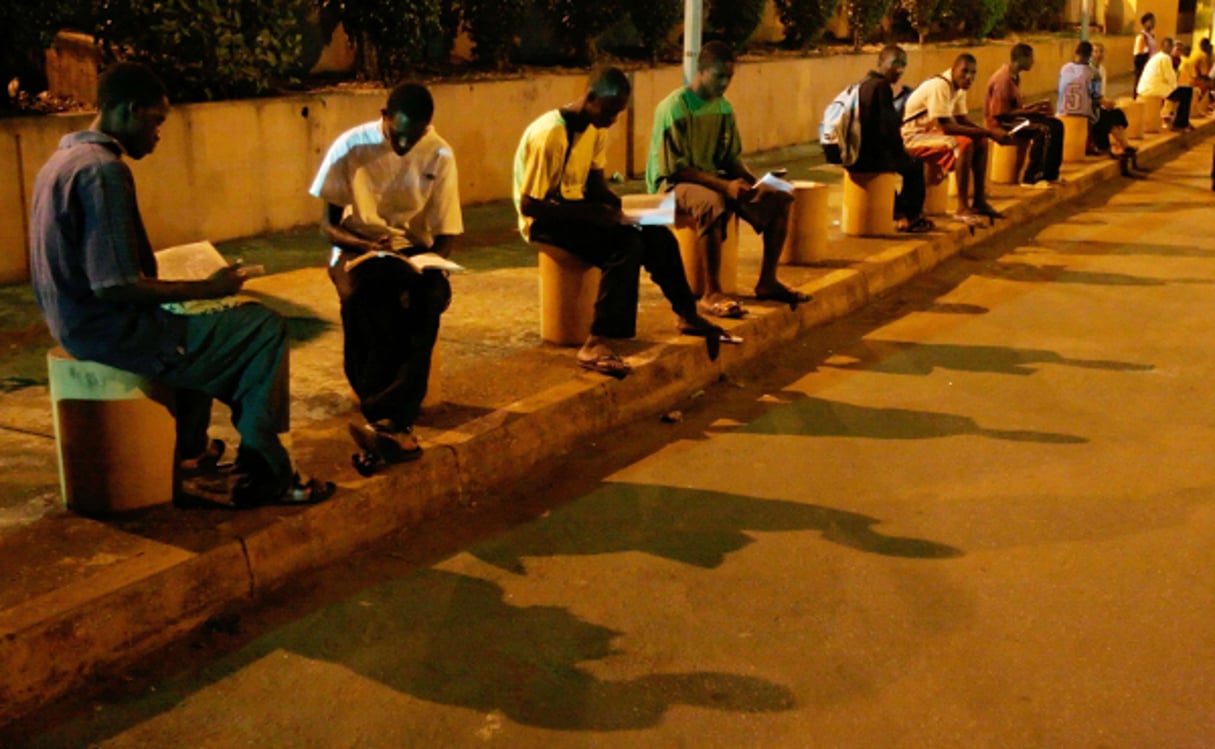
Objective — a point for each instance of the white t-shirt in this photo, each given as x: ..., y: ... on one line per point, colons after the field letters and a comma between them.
x: 417, y: 193
x: 1159, y: 78
x: 933, y: 99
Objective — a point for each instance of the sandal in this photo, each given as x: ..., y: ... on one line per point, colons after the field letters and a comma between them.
x: 251, y: 492
x: 383, y: 440
x: 205, y: 463
x: 985, y: 209
x: 724, y: 307
x: 918, y: 226
x: 783, y: 294
x: 607, y: 364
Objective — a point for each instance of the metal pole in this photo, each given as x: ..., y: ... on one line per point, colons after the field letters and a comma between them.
x: 1084, y: 20
x: 693, y: 23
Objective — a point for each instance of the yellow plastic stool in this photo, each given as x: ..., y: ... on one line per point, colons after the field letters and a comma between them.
x: 568, y: 289
x: 1152, y: 106
x: 936, y: 197
x: 691, y: 250
x: 1133, y: 109
x: 1006, y: 163
x: 115, y: 434
x: 1075, y: 137
x: 868, y: 204
x: 807, y: 238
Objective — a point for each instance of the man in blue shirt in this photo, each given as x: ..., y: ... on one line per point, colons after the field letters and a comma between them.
x: 95, y: 278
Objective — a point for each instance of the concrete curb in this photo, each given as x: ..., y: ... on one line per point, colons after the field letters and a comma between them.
x: 55, y: 643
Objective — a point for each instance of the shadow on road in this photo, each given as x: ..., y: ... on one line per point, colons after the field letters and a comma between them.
x: 686, y: 525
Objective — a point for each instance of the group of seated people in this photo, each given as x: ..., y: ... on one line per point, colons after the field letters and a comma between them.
x: 925, y: 133
x: 1171, y: 70
x: 389, y: 190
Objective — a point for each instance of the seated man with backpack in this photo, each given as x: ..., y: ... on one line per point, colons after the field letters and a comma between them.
x: 861, y: 131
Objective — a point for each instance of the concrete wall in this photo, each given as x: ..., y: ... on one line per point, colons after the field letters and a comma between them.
x: 232, y: 169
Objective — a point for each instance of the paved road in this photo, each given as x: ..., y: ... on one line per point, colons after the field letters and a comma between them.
x: 979, y: 514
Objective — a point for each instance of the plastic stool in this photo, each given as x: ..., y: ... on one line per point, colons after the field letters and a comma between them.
x: 868, y: 203
x: 1006, y: 163
x: 115, y: 434
x: 1075, y: 137
x: 1152, y: 106
x: 807, y: 238
x: 568, y: 289
x: 1133, y: 109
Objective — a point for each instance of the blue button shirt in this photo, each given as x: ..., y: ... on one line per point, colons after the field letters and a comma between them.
x: 85, y: 235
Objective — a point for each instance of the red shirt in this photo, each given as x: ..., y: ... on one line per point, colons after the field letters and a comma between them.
x: 1003, y: 95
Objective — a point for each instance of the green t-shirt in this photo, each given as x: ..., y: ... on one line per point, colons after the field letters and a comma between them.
x: 691, y: 132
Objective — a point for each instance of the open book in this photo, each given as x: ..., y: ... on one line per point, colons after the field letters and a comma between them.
x: 419, y: 262
x: 775, y: 182
x: 198, y: 261
x: 648, y: 210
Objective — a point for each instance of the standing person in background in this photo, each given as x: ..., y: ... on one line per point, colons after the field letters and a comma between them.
x: 1145, y: 47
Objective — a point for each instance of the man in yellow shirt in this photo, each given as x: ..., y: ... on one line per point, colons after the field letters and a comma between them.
x: 563, y: 199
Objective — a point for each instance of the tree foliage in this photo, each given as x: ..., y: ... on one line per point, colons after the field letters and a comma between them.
x: 978, y: 17
x: 29, y: 27
x: 804, y: 20
x: 865, y: 15
x: 579, y: 22
x: 207, y: 49
x: 494, y: 26
x: 734, y: 21
x: 923, y: 14
x: 654, y: 21
x: 391, y: 35
x: 1033, y: 15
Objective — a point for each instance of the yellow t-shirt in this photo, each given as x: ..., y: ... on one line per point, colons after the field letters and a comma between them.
x: 548, y: 166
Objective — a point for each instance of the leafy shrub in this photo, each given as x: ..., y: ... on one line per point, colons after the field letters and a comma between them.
x: 28, y: 29
x: 804, y: 20
x: 1033, y: 15
x: 978, y: 17
x: 494, y: 27
x: 734, y: 21
x: 207, y: 49
x: 579, y: 22
x: 865, y: 15
x: 654, y: 21
x: 922, y: 14
x: 392, y: 35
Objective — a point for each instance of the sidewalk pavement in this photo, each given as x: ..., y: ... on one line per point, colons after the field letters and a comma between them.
x: 81, y: 595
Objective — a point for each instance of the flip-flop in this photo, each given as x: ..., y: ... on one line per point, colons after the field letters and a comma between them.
x: 386, y: 445
x: 607, y: 364
x: 207, y: 462
x: 250, y: 493
x: 785, y: 295
x: 727, y: 308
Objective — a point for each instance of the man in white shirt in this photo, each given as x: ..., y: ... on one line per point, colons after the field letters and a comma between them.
x: 390, y: 189
x: 936, y: 116
x: 1160, y: 79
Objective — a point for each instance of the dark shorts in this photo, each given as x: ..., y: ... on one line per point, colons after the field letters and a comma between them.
x: 706, y: 209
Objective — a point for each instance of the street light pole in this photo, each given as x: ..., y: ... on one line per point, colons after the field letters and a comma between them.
x: 693, y: 21
x: 1084, y: 20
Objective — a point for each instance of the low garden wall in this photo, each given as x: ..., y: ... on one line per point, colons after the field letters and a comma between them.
x: 239, y: 168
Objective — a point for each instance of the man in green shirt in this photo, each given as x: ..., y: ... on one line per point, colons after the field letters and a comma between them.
x: 696, y: 151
